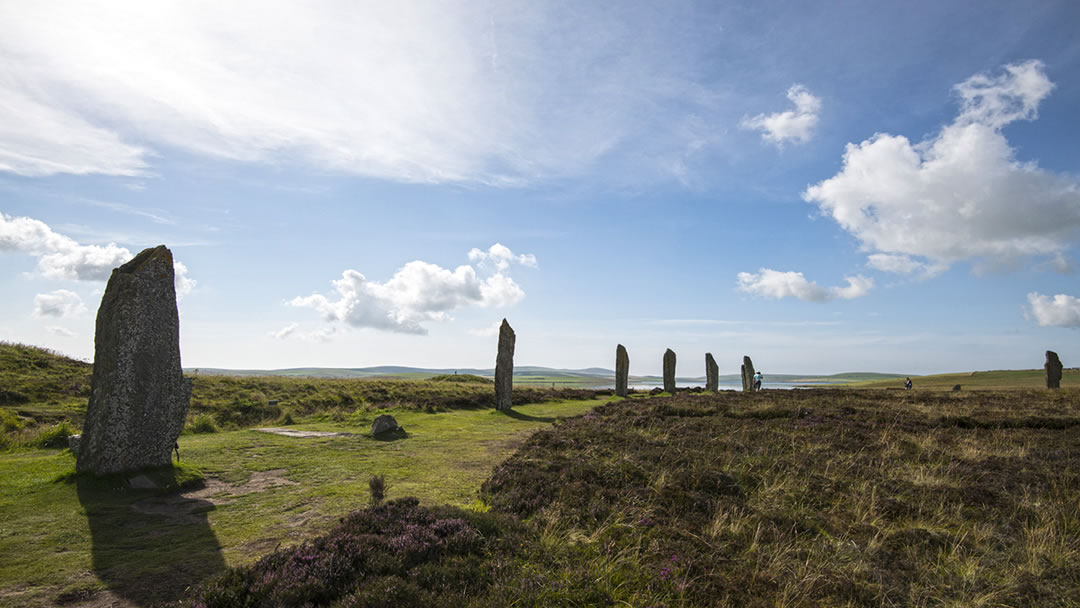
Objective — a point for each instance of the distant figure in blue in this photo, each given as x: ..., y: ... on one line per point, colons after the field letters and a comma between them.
x: 757, y: 381
x: 907, y: 384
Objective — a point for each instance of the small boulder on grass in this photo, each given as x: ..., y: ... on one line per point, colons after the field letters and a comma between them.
x: 386, y: 427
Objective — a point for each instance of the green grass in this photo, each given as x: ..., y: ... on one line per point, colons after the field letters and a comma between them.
x: 70, y: 539
x: 987, y: 380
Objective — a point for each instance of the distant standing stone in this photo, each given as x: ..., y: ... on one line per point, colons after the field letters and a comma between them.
x: 384, y: 424
x: 138, y: 394
x: 747, y: 375
x: 669, y: 371
x: 1053, y: 370
x: 622, y: 370
x: 712, y: 374
x: 504, y: 368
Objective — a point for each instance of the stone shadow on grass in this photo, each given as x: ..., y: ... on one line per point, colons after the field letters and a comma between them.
x: 519, y: 416
x: 148, y: 556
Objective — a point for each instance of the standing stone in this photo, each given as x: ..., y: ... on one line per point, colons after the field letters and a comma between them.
x: 504, y: 368
x: 747, y: 375
x: 138, y: 394
x: 712, y: 374
x: 742, y: 374
x: 1053, y: 370
x: 669, y: 371
x: 622, y: 370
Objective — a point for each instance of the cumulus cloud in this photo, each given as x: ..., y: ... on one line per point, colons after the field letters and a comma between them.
x: 1059, y: 311
x: 467, y: 90
x: 322, y: 334
x: 284, y: 332
x: 418, y: 292
x: 61, y: 257
x: 790, y: 125
x: 777, y: 284
x: 959, y: 194
x: 500, y: 257
x: 58, y: 304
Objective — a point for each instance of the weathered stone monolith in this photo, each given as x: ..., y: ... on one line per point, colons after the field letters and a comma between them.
x: 669, y: 371
x: 504, y: 368
x: 622, y: 370
x: 712, y: 374
x: 138, y: 394
x: 1053, y: 370
x: 747, y: 375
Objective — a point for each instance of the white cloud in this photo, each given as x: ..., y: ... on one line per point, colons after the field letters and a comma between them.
x: 791, y: 125
x: 63, y: 332
x: 418, y: 292
x: 59, y: 304
x: 1060, y: 311
x: 960, y: 194
x: 500, y: 257
x: 182, y: 283
x: 777, y: 284
x: 467, y: 90
x: 61, y: 257
x: 284, y: 332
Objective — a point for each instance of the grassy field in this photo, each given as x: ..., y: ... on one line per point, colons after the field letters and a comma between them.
x: 79, y: 541
x: 988, y: 380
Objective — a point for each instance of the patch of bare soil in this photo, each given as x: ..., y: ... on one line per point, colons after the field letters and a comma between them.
x: 189, y: 505
x: 301, y: 434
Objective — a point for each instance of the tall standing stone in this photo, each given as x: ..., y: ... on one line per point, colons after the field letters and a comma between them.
x: 504, y: 368
x: 669, y: 371
x: 622, y: 370
x: 742, y: 374
x: 712, y: 374
x: 1053, y: 370
x: 138, y: 394
x: 747, y: 375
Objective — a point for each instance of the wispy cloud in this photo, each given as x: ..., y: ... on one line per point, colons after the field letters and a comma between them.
x: 467, y: 91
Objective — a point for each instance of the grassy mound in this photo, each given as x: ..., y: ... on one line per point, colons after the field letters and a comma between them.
x: 467, y: 378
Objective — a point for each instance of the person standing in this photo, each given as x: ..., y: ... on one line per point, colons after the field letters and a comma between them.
x: 907, y: 384
x: 758, y: 377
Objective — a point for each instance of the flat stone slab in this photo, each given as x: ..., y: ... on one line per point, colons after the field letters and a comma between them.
x: 301, y: 434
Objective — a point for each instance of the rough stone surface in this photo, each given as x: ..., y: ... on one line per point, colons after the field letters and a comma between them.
x: 384, y: 424
x: 504, y: 368
x: 742, y: 375
x: 669, y: 371
x: 712, y: 374
x: 622, y: 370
x: 138, y: 394
x: 1053, y: 370
x: 747, y: 375
x: 73, y: 444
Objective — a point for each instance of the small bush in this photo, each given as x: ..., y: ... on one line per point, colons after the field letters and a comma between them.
x: 9, y: 421
x: 203, y: 423
x: 55, y: 436
x: 287, y: 418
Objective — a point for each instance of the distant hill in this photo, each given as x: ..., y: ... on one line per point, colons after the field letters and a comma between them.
x: 530, y: 373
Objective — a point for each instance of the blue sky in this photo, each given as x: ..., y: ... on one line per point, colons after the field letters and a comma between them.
x: 826, y: 187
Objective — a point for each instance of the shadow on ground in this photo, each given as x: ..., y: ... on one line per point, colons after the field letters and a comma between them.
x: 519, y: 416
x: 149, y: 548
